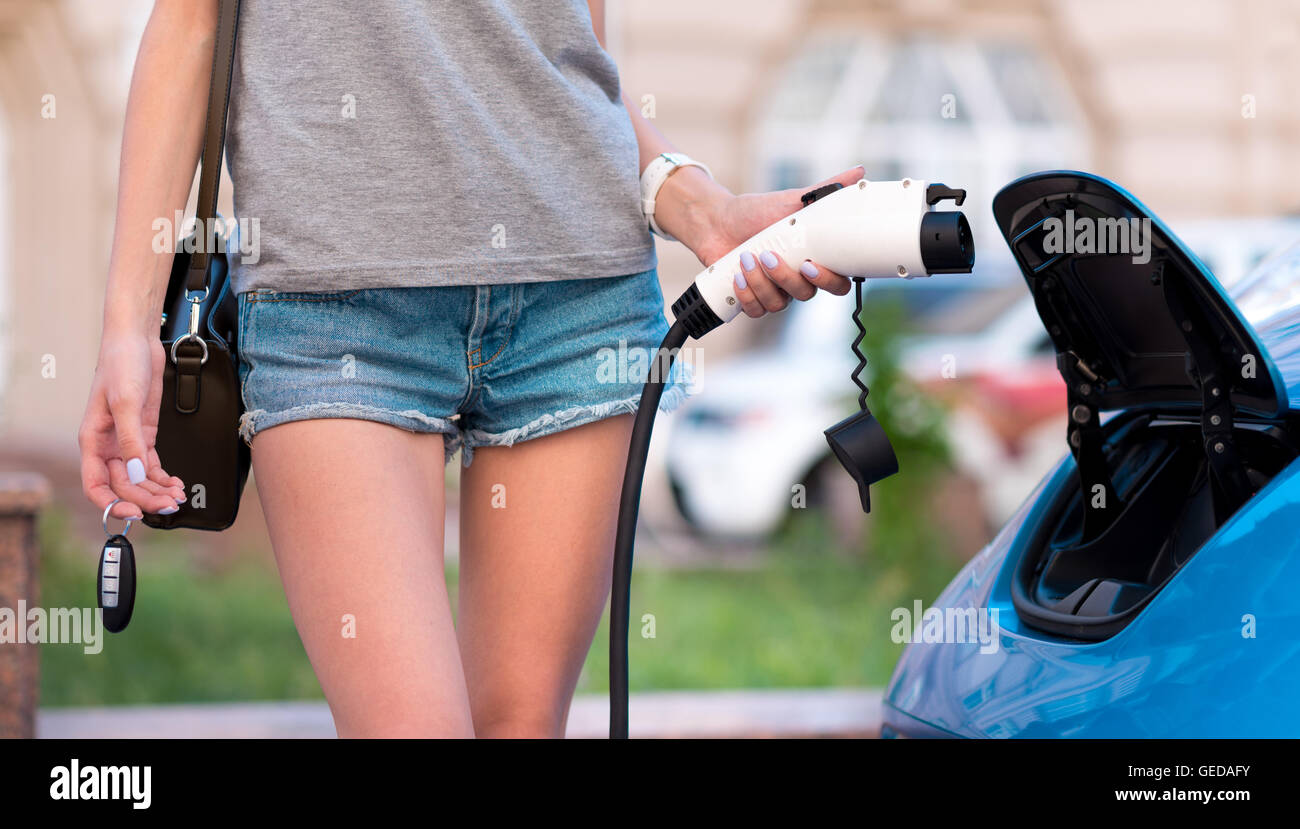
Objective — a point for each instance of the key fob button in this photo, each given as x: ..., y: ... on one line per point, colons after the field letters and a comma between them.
x: 116, y: 583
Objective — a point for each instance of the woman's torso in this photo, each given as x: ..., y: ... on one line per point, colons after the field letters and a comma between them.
x: 396, y: 143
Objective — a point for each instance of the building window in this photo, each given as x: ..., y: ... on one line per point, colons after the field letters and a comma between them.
x: 969, y: 112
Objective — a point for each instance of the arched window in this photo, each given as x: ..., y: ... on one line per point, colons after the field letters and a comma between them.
x: 972, y: 113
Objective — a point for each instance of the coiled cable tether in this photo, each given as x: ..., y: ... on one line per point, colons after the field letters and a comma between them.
x: 629, y: 503
x: 856, y: 376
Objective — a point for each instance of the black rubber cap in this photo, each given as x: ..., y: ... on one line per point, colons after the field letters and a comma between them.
x: 946, y: 242
x: 863, y: 449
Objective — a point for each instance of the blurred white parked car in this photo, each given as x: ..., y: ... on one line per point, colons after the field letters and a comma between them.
x: 754, y: 431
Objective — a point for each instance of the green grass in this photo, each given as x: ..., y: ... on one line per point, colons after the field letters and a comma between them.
x: 806, y: 616
x: 195, y: 636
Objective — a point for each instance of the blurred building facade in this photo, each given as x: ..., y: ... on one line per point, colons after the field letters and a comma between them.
x: 1191, y: 104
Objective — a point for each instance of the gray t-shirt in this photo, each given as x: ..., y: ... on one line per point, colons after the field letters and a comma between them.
x: 402, y: 143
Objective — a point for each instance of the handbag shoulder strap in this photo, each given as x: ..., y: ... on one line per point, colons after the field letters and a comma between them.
x: 214, y: 140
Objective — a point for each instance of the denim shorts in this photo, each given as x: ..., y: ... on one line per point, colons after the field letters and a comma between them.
x: 482, y: 365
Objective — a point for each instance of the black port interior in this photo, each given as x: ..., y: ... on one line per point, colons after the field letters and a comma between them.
x: 1090, y: 590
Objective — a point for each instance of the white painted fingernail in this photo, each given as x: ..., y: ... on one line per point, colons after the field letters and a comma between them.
x: 135, y: 470
x: 167, y: 511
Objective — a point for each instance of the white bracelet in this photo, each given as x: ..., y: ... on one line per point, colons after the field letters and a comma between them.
x: 656, y: 173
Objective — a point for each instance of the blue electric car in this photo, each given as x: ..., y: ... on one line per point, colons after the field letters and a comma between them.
x: 1150, y: 586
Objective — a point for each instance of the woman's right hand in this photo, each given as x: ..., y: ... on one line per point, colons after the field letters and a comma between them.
x: 118, y: 459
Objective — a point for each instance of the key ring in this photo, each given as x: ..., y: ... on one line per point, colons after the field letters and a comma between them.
x: 104, y: 521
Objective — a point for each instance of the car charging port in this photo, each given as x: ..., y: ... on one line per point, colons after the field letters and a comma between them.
x: 1090, y: 588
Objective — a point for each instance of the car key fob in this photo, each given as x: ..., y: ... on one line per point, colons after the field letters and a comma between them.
x: 116, y: 583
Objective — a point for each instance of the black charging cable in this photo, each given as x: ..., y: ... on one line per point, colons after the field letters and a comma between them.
x: 620, y: 600
x: 858, y: 441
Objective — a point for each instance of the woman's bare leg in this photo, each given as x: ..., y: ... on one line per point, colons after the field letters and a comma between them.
x: 355, y: 511
x: 535, y: 571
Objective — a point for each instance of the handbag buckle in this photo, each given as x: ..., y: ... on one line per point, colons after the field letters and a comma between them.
x: 195, y: 299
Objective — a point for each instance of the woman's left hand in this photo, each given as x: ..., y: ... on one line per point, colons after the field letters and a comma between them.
x: 765, y: 282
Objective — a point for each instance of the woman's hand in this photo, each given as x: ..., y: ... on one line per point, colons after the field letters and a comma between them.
x: 162, y: 138
x: 118, y: 459
x: 765, y: 282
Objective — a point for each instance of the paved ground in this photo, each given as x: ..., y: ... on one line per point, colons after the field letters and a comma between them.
x: 770, y: 713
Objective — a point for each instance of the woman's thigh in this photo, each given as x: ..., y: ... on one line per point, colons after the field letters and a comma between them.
x: 355, y: 513
x: 537, y: 535
x: 547, y: 434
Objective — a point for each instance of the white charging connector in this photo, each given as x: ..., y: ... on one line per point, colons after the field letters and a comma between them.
x: 870, y: 229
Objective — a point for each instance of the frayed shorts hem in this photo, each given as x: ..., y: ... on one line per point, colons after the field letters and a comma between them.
x: 549, y: 424
x: 259, y: 420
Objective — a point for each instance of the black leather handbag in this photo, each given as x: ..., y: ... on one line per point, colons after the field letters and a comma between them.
x: 198, y: 420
